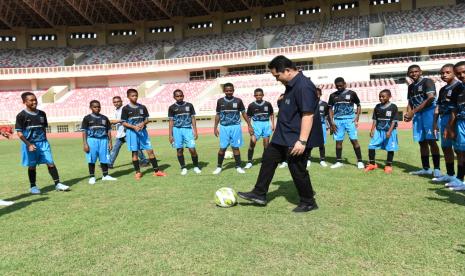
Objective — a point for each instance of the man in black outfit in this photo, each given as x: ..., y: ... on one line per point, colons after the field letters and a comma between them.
x: 294, y: 135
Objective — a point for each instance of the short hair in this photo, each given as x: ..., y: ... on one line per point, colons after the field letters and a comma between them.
x: 25, y: 95
x: 116, y: 97
x: 387, y: 91
x: 177, y: 90
x: 280, y: 63
x: 318, y: 89
x: 413, y: 66
x: 339, y: 79
x: 228, y: 84
x: 131, y: 90
x: 448, y: 65
x: 93, y: 102
x: 258, y: 90
x: 460, y: 63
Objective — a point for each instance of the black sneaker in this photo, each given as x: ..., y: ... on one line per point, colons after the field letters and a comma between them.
x: 250, y: 196
x: 305, y: 207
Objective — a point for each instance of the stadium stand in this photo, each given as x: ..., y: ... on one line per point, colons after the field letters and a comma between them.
x: 344, y: 28
x: 298, y: 34
x: 106, y: 54
x: 145, y: 51
x: 12, y: 104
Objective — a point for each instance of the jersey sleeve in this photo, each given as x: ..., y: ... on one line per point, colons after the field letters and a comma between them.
x: 124, y: 115
x: 306, y: 100
x: 19, y: 125
x: 240, y: 106
x: 192, y: 110
x: 270, y: 108
x: 249, y: 111
x: 146, y: 112
x: 331, y: 100
x: 170, y: 112
x: 374, y: 117
x: 107, y: 124
x: 326, y: 110
x: 395, y: 114
x: 85, y: 124
x: 218, y: 106
x: 429, y: 87
x: 355, y: 98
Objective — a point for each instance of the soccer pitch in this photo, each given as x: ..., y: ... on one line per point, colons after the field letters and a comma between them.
x: 367, y: 223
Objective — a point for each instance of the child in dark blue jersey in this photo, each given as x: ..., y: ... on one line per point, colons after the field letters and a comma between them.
x: 262, y: 115
x: 383, y: 131
x: 135, y: 118
x: 228, y: 115
x: 30, y: 126
x: 96, y: 139
x: 323, y: 109
x: 183, y: 130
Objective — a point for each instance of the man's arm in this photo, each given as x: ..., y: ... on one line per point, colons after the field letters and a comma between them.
x: 419, y: 108
x: 305, y: 128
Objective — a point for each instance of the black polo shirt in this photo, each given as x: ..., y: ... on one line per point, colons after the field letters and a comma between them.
x: 300, y: 97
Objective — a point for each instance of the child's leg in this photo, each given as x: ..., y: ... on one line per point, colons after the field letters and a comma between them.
x: 424, y: 152
x: 221, y: 152
x: 31, y: 173
x: 135, y: 162
x: 339, y: 151
x: 104, y: 169
x: 91, y: 169
x: 433, y: 145
x: 449, y: 160
x: 195, y: 157
x: 153, y: 160
x: 390, y: 158
x: 237, y: 156
x: 372, y: 156
x: 253, y: 142
x: 180, y: 154
x: 322, y: 153
x: 52, y: 170
x: 460, y: 165
x: 357, y: 150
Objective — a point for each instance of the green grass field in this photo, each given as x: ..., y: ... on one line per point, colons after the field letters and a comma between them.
x: 367, y: 223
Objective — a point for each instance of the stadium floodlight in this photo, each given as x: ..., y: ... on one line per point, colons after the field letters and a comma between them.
x: 95, y: 35
x: 1, y: 38
x: 13, y: 38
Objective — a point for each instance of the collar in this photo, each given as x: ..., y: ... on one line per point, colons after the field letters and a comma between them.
x: 226, y: 99
x: 292, y: 82
x: 260, y: 104
x: 454, y: 83
x: 133, y: 106
x: 31, y: 112
x: 95, y: 115
x: 388, y: 104
x: 181, y: 104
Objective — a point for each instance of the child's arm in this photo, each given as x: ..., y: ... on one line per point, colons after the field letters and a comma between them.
x: 194, y: 127
x: 449, y: 132
x: 170, y: 124
x: 247, y: 120
x: 30, y: 146
x: 272, y: 121
x: 215, y: 128
x: 110, y: 144
x: 332, y: 125
x: 84, y: 141
x: 435, y: 120
x: 393, y: 122
x: 372, y: 131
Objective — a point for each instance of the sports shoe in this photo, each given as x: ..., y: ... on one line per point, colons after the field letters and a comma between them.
x: 360, y: 165
x: 305, y: 207
x: 309, y: 163
x: 251, y: 196
x: 336, y: 165
x: 458, y: 188
x: 323, y: 164
x: 283, y: 165
x: 443, y: 178
x: 35, y: 190
x: 240, y: 170
x: 422, y: 172
x: 217, y: 170
x: 109, y: 178
x: 138, y: 176
x: 388, y: 169
x: 61, y: 187
x: 437, y: 173
x: 183, y: 171
x: 455, y: 182
x: 371, y: 167
x: 92, y: 180
x: 197, y: 170
x: 248, y: 166
x: 5, y: 203
x: 159, y: 173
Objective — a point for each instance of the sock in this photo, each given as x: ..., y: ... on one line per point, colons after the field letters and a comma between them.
x: 195, y: 161
x: 104, y: 169
x: 450, y: 169
x: 154, y: 163
x: 371, y: 156
x: 339, y: 154
x: 390, y: 157
x: 237, y: 158
x: 91, y: 169
x: 460, y: 172
x: 425, y: 162
x: 436, y: 161
x: 181, y: 161
x: 250, y: 155
x: 358, y: 153
x: 220, y: 160
x: 54, y: 174
x: 136, y: 165
x: 322, y: 153
x: 32, y: 177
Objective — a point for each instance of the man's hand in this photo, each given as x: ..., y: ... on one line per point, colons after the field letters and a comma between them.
x: 86, y: 148
x: 333, y: 129
x: 216, y: 132
x: 298, y: 149
x: 388, y: 134
x: 171, y: 139
x: 408, y: 116
x: 136, y: 128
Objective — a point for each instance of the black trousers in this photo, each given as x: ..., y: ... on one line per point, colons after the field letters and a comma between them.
x: 272, y: 156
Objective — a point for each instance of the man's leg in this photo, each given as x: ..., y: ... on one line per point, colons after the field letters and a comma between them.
x: 301, y: 178
x: 115, y: 151
x: 271, y: 157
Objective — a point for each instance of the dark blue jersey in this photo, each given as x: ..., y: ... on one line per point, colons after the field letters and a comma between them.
x: 96, y: 125
x: 385, y: 116
x: 260, y: 111
x: 32, y: 125
x: 343, y: 103
x: 230, y: 111
x: 323, y: 110
x: 418, y: 92
x: 458, y: 101
x: 444, y: 99
x: 134, y: 114
x: 181, y: 114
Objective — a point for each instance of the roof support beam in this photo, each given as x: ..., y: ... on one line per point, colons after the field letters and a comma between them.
x: 81, y: 7
x: 42, y: 9
x: 124, y: 7
x: 163, y: 5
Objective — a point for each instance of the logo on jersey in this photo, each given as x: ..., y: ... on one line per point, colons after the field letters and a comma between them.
x: 449, y: 93
x: 234, y: 105
x: 141, y: 111
x: 420, y: 88
x: 188, y: 108
x: 265, y: 108
x: 388, y: 113
x: 322, y: 108
x: 42, y: 119
x: 287, y: 101
x: 104, y: 122
x: 347, y: 97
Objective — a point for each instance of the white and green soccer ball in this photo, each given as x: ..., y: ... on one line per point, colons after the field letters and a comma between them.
x: 228, y: 154
x: 225, y: 197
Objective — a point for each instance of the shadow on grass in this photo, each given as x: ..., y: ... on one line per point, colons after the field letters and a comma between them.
x: 461, y: 250
x: 201, y: 165
x: 19, y: 205
x: 286, y: 189
x: 407, y: 168
x: 448, y: 196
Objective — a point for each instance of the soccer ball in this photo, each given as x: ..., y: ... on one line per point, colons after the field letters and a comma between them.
x: 228, y: 154
x: 225, y: 197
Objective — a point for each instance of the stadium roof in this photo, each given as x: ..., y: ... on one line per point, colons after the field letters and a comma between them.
x: 49, y: 13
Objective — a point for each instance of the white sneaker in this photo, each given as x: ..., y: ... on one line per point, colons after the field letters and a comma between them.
x: 240, y: 170
x: 35, y: 190
x: 309, y: 163
x: 458, y: 188
x: 197, y: 170
x: 323, y: 164
x: 217, y: 170
x: 360, y: 165
x: 5, y: 203
x: 336, y: 165
x: 61, y: 187
x: 248, y: 166
x: 437, y: 173
x: 454, y: 182
x: 92, y: 180
x: 422, y: 172
x: 443, y: 178
x: 283, y: 165
x: 183, y: 171
x: 109, y: 178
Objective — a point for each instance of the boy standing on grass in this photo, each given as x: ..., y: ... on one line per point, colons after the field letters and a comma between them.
x: 135, y: 118
x: 183, y: 130
x: 5, y: 133
x: 30, y: 126
x: 96, y: 139
x: 383, y: 132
